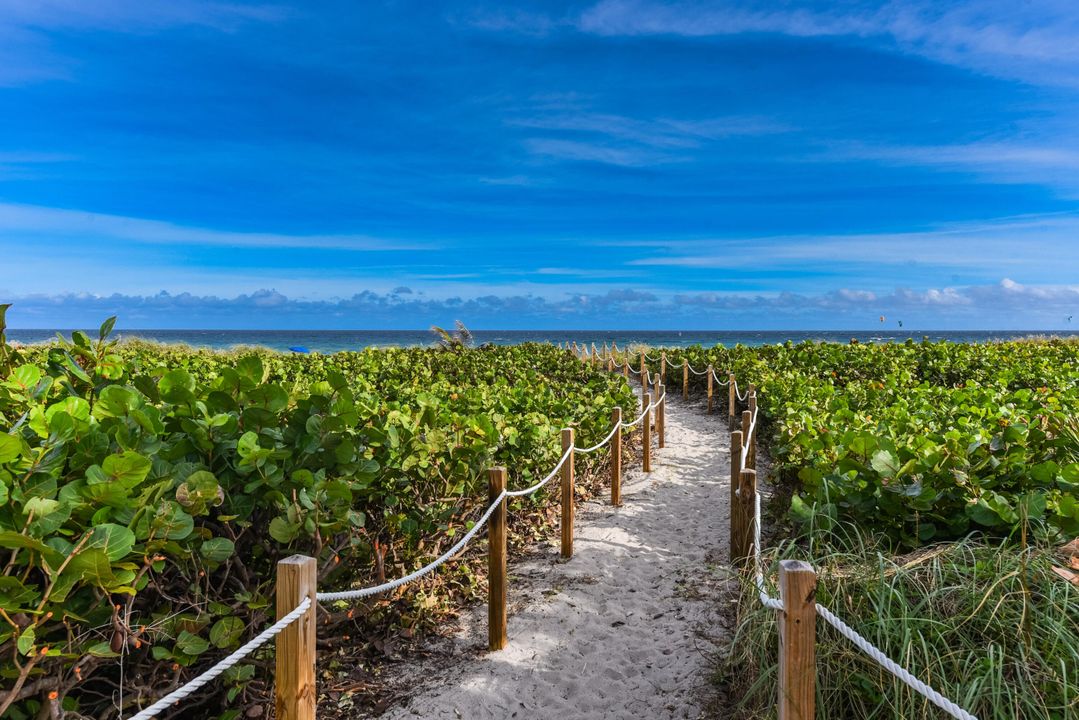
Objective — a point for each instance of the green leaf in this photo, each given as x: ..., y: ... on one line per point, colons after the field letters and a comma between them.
x: 128, y: 468
x: 283, y: 531
x: 10, y: 448
x: 191, y: 644
x: 12, y: 540
x: 92, y: 565
x: 886, y: 463
x: 106, y: 328
x: 217, y: 549
x: 115, y: 540
x: 26, y: 641
x: 176, y: 386
x: 40, y: 506
x: 226, y: 632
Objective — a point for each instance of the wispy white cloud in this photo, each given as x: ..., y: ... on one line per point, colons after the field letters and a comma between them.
x: 572, y: 132
x: 1046, y: 244
x: 658, y: 133
x: 37, y: 221
x: 1034, y: 42
x: 578, y: 151
x: 1016, y: 161
x: 27, y: 54
x: 136, y: 15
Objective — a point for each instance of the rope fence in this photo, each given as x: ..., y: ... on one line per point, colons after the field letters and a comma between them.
x: 294, y: 686
x: 797, y: 637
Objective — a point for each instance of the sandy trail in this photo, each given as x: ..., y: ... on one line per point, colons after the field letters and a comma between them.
x: 626, y: 627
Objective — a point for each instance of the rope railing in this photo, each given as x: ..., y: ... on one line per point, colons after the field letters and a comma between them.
x: 302, y: 607
x: 743, y: 468
x: 251, y: 646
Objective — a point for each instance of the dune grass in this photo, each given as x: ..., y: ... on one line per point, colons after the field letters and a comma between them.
x: 988, y: 625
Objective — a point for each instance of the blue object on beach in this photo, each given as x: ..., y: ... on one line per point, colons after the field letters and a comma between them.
x: 299, y: 349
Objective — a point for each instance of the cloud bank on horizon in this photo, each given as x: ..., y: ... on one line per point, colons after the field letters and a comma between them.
x: 606, y: 163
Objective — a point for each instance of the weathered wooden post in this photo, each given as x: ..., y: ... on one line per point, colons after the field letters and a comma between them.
x: 294, y: 682
x: 625, y: 369
x: 663, y: 368
x: 595, y: 355
x: 736, y: 479
x: 661, y: 414
x: 610, y: 363
x: 646, y: 461
x: 644, y: 368
x: 732, y: 399
x: 567, y: 494
x: 685, y: 379
x: 797, y: 640
x: 742, y: 525
x: 711, y: 378
x: 496, y: 561
x: 616, y: 458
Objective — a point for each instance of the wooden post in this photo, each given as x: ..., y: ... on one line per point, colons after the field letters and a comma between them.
x: 294, y: 681
x: 646, y: 461
x: 751, y: 461
x: 595, y: 355
x: 663, y: 368
x: 736, y: 479
x: 685, y: 379
x: 711, y: 378
x: 496, y: 562
x: 661, y: 415
x: 742, y: 522
x: 625, y: 369
x: 610, y: 363
x: 732, y: 399
x: 616, y: 458
x: 567, y: 494
x: 797, y: 640
x: 644, y: 367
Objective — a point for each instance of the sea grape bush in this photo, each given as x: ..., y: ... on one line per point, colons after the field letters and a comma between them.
x: 921, y: 440
x: 146, y: 492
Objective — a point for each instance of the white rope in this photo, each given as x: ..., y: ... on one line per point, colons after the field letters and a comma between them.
x: 721, y: 382
x: 741, y: 397
x: 891, y: 666
x: 702, y: 372
x: 635, y: 372
x: 602, y: 442
x: 183, y: 691
x: 766, y: 600
x: 651, y: 406
x: 541, y: 483
x: 393, y: 584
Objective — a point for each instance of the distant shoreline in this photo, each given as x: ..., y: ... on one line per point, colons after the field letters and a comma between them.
x: 326, y: 341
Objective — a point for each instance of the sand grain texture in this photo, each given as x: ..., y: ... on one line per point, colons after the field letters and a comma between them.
x: 626, y: 627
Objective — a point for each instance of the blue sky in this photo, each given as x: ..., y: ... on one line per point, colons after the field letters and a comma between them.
x: 602, y: 164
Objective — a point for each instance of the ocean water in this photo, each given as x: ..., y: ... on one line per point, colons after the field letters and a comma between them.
x: 327, y: 341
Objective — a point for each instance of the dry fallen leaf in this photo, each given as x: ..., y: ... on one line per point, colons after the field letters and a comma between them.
x: 1068, y: 575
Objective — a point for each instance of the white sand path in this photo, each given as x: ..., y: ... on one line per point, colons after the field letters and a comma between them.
x: 626, y: 627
